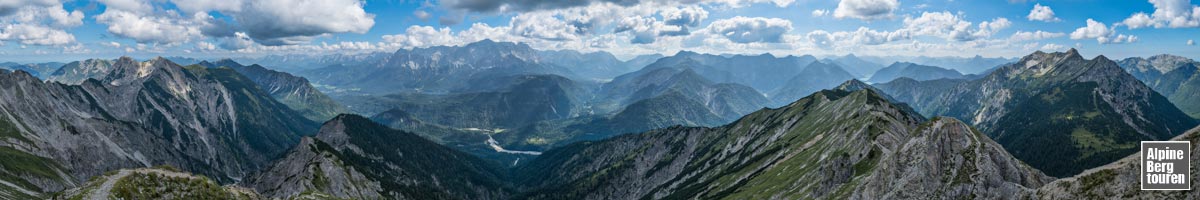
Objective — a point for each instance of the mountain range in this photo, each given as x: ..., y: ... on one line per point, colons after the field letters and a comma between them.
x: 295, y: 92
x: 856, y: 66
x: 439, y: 69
x: 1036, y: 104
x: 967, y: 65
x: 913, y: 71
x: 500, y: 120
x: 40, y: 70
x: 214, y: 122
x: 1176, y: 77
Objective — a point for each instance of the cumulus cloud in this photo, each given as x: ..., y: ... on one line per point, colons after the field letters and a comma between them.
x: 751, y: 29
x: 278, y: 22
x: 111, y: 44
x: 421, y: 36
x: 1102, y: 33
x: 819, y: 12
x: 8, y: 7
x: 1190, y: 42
x: 37, y: 22
x: 944, y: 25
x: 269, y: 22
x: 30, y: 34
x: 491, y: 6
x: 1053, y: 47
x: 239, y: 41
x: 1042, y: 13
x: 206, y: 46
x: 1167, y: 13
x: 862, y: 36
x: 167, y: 28
x: 545, y: 27
x: 865, y: 9
x: 953, y: 27
x: 684, y: 16
x: 524, y: 5
x: 421, y: 14
x: 1036, y: 35
x: 644, y: 29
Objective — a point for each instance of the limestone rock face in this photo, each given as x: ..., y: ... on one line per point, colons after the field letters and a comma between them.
x: 314, y: 166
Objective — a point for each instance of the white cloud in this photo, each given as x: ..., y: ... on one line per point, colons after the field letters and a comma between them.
x: 1167, y: 13
x: 193, y: 6
x: 819, y: 12
x: 544, y: 26
x: 1191, y: 42
x: 862, y: 36
x: 953, y: 27
x: 684, y: 16
x: 270, y: 22
x: 111, y: 44
x: 136, y: 6
x: 1053, y: 47
x: 276, y: 22
x: 865, y: 9
x: 645, y: 30
x: 206, y: 46
x: 1042, y: 13
x: 30, y: 34
x: 240, y: 40
x: 1102, y: 33
x: 422, y: 36
x: 8, y: 7
x: 421, y: 14
x: 751, y: 29
x: 166, y: 28
x: 37, y: 22
x: 1036, y: 35
x: 1139, y: 20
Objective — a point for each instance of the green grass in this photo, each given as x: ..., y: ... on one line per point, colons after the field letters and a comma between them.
x: 9, y: 130
x: 155, y: 186
x: 19, y: 164
x: 1088, y: 140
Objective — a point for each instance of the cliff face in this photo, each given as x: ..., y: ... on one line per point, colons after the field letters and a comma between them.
x: 209, y: 121
x: 294, y: 91
x: 314, y: 166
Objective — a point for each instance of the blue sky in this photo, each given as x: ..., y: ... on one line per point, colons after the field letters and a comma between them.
x: 59, y: 30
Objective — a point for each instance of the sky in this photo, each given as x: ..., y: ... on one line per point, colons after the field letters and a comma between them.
x: 64, y: 30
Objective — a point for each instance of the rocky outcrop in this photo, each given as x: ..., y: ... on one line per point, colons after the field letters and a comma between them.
x: 948, y: 159
x: 207, y: 121
x: 314, y: 166
x: 75, y: 73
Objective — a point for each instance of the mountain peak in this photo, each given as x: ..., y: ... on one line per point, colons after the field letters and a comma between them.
x: 853, y: 85
x: 1072, y: 51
